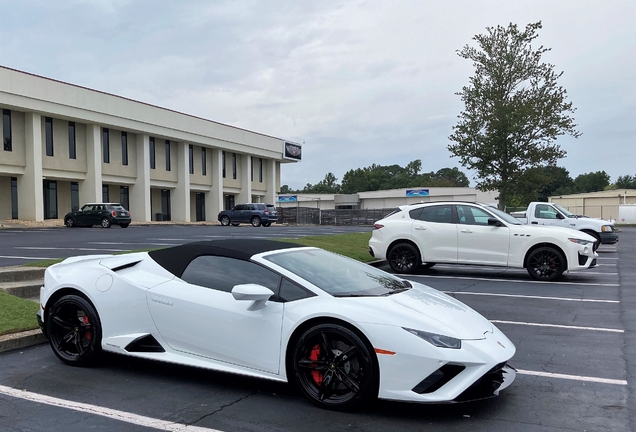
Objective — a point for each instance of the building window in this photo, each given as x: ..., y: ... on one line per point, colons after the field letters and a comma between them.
x: 167, y: 155
x: 152, y: 153
x: 251, y: 168
x: 106, y: 145
x: 72, y: 148
x: 74, y: 196
x: 14, y: 197
x: 260, y: 170
x: 105, y: 194
x: 234, y: 166
x: 123, y: 197
x: 50, y: 199
x: 223, y: 162
x: 124, y: 148
x: 48, y: 128
x: 6, y: 129
x: 191, y: 156
x: 204, y: 162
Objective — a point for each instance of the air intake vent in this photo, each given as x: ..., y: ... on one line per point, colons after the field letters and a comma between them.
x: 437, y: 379
x: 145, y: 344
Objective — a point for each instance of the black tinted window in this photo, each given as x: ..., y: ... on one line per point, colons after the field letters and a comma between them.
x: 439, y: 214
x: 472, y: 215
x: 240, y: 207
x: 222, y: 273
x: 415, y: 214
x: 291, y: 292
x: 261, y: 206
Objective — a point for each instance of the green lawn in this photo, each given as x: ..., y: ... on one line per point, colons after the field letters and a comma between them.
x: 18, y: 315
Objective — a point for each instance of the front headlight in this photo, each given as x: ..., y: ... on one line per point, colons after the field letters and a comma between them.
x: 580, y: 241
x: 607, y: 228
x: 437, y: 340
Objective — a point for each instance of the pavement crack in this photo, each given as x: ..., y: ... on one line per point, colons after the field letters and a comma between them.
x: 221, y: 408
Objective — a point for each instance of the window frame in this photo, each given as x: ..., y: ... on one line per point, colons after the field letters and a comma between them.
x: 72, y: 142
x: 152, y: 151
x: 260, y: 170
x: 7, y: 136
x: 48, y: 136
x: 204, y: 161
x: 191, y: 157
x: 124, y: 148
x: 234, y: 166
x: 223, y: 162
x: 168, y: 164
x: 106, y: 145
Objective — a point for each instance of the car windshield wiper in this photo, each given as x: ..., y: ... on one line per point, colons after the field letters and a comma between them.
x: 397, y: 291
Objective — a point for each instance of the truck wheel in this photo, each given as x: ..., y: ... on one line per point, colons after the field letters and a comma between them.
x: 596, y: 236
x: 546, y: 264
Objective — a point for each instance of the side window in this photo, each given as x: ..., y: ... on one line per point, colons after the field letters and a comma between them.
x: 437, y: 213
x: 290, y: 292
x: 239, y: 207
x: 543, y: 211
x: 87, y: 208
x: 249, y: 207
x: 415, y: 214
x: 472, y: 215
x: 222, y: 273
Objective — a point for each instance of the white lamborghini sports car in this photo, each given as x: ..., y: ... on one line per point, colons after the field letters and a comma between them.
x: 344, y: 332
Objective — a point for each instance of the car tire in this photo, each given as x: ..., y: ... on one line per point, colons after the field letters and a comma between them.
x: 105, y: 223
x: 267, y: 224
x: 69, y: 222
x: 545, y: 264
x: 404, y: 258
x: 225, y: 220
x: 256, y: 221
x: 124, y: 225
x: 334, y: 368
x: 235, y: 224
x: 74, y: 331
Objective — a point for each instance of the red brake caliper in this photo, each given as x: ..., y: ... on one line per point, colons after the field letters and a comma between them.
x: 88, y: 332
x: 314, y: 356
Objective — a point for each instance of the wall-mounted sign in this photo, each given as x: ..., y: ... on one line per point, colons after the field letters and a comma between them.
x: 289, y: 198
x: 416, y: 192
x: 293, y: 151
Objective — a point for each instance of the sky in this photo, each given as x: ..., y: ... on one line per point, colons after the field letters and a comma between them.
x: 355, y: 82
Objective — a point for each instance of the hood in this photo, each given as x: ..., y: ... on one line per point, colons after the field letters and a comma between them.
x: 424, y: 308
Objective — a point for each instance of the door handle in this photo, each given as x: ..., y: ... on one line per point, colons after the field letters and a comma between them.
x: 421, y: 228
x: 534, y: 223
x: 467, y: 231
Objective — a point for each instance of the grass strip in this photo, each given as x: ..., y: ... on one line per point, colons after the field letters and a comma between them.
x: 17, y: 314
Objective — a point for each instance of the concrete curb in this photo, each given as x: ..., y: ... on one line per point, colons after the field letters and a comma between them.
x: 21, y: 340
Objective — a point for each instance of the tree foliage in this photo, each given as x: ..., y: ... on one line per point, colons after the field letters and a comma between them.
x: 625, y: 182
x: 591, y: 182
x: 514, y: 110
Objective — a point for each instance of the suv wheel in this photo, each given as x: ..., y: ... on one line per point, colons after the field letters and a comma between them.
x: 225, y: 220
x: 256, y: 221
x: 404, y: 258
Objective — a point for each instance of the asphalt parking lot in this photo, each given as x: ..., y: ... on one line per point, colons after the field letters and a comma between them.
x: 576, y: 361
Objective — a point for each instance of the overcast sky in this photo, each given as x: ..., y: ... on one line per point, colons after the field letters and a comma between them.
x: 355, y: 82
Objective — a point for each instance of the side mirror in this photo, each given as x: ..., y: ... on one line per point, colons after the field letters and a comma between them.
x: 494, y: 222
x: 560, y: 216
x: 252, y: 292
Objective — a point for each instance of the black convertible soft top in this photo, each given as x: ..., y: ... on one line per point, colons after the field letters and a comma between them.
x: 176, y: 259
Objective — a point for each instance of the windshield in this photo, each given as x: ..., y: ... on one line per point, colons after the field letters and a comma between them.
x: 564, y: 211
x: 505, y: 216
x: 338, y: 275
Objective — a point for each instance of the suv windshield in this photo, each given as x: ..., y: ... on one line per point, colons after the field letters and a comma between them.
x: 565, y: 212
x: 271, y: 209
x: 505, y: 216
x: 337, y: 275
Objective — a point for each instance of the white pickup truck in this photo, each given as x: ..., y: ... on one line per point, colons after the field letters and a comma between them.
x: 543, y: 213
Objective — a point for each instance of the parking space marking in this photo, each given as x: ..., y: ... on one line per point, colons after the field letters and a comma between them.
x: 71, y: 248
x: 122, y: 416
x: 572, y: 377
x: 517, y: 270
x: 137, y: 243
x: 25, y: 257
x: 511, y: 280
x: 559, y: 326
x: 532, y: 297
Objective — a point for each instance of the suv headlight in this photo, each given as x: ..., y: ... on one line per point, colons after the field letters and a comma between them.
x: 580, y: 241
x: 607, y: 228
x: 437, y: 340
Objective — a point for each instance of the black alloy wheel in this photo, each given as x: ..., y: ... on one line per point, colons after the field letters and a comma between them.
x: 256, y: 221
x: 266, y: 224
x: 69, y: 222
x: 546, y: 264
x: 105, y: 222
x: 74, y: 330
x: 404, y: 258
x: 334, y: 368
x: 225, y: 220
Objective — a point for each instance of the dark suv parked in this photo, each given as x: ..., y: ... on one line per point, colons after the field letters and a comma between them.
x: 255, y: 213
x: 104, y: 214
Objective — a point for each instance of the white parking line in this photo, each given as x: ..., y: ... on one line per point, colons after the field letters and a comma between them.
x: 71, y: 248
x: 136, y: 243
x: 608, y: 258
x: 559, y: 326
x: 511, y: 280
x: 572, y: 377
x: 103, y: 412
x: 25, y: 258
x: 532, y: 297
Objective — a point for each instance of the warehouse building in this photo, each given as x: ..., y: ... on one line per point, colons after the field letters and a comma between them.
x: 65, y: 145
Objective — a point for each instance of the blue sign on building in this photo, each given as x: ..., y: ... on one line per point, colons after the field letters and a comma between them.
x: 290, y: 198
x: 416, y: 192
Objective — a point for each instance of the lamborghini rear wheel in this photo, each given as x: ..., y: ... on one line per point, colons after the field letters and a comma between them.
x: 334, y: 368
x: 74, y: 330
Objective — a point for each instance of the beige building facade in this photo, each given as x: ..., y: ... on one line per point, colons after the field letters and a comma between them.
x: 66, y: 145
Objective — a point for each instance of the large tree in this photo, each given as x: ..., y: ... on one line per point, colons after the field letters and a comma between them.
x: 591, y: 182
x: 514, y: 110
